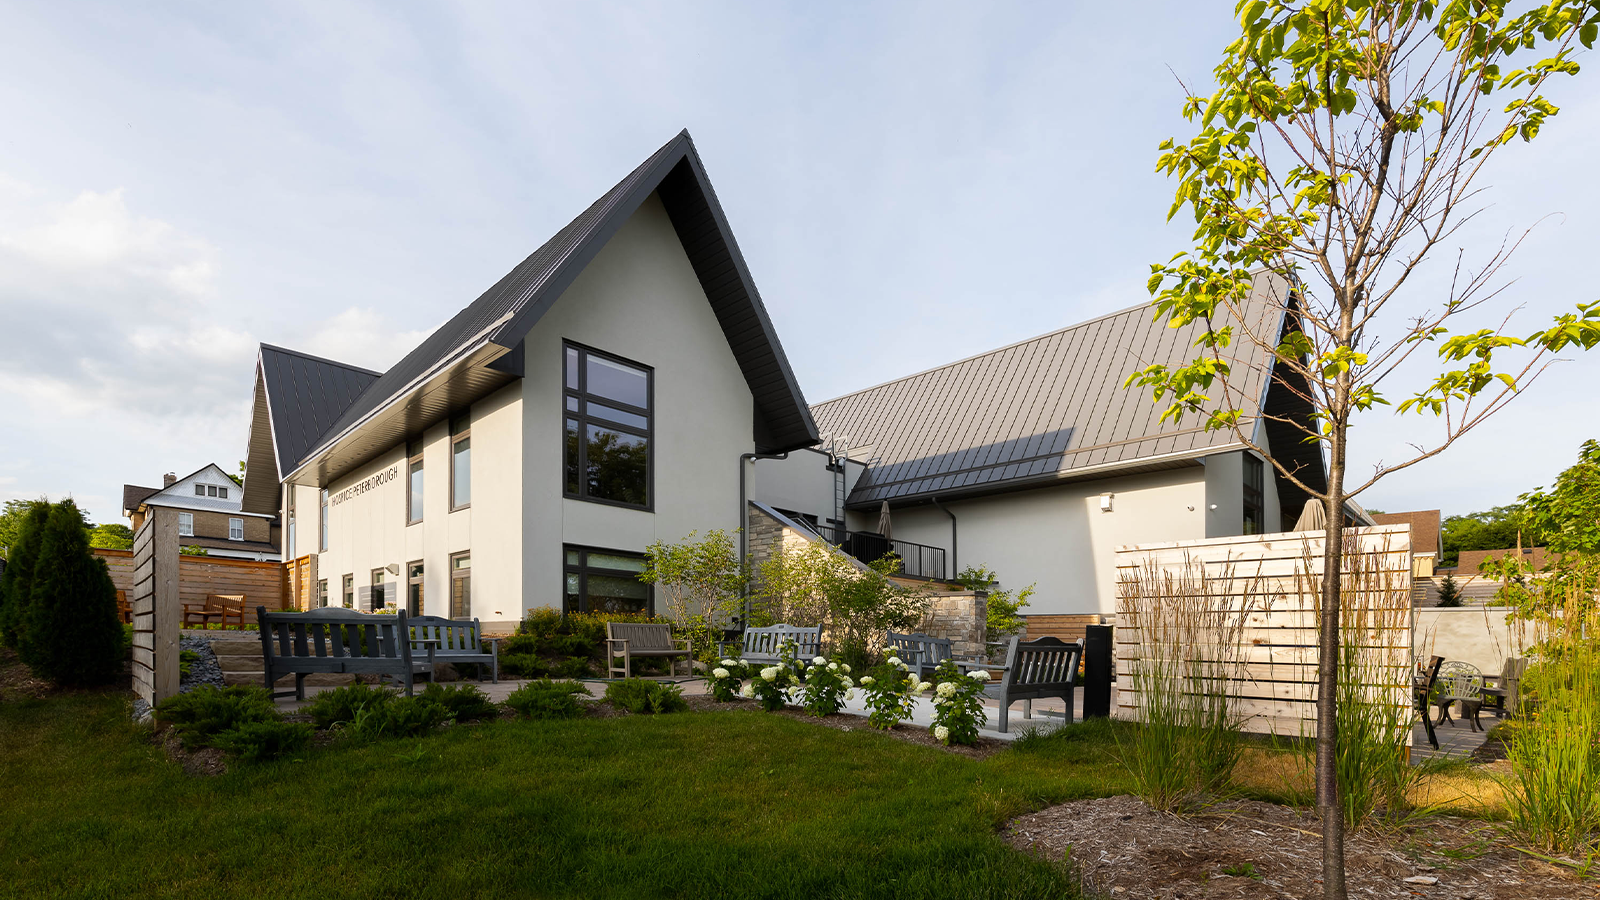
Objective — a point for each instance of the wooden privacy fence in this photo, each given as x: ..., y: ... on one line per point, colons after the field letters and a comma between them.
x: 262, y: 583
x: 153, y: 590
x: 1239, y: 615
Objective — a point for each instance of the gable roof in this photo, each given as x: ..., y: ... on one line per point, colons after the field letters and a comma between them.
x: 493, y: 325
x: 133, y: 495
x: 1043, y: 410
x: 306, y: 395
x: 1426, y: 534
x: 178, y: 496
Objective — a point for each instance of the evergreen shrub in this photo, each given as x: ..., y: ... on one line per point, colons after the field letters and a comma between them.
x: 546, y: 699
x: 16, y: 585
x: 202, y: 714
x: 71, y: 633
x: 464, y: 702
x: 637, y: 695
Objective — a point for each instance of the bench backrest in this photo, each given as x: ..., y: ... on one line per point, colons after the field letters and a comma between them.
x: 225, y: 603
x: 333, y: 632
x: 454, y: 635
x: 641, y: 635
x: 1046, y: 662
x: 768, y: 641
x: 926, y: 648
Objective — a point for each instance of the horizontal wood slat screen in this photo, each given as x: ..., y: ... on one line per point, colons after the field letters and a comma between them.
x: 262, y: 583
x: 1265, y: 589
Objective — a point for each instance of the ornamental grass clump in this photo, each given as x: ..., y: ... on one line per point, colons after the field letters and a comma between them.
x: 726, y: 678
x: 958, y: 704
x: 826, y: 686
x: 891, y: 691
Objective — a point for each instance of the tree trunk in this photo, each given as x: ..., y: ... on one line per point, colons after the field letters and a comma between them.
x: 1328, y: 807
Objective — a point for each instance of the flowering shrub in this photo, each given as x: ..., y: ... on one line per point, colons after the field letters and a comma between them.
x: 771, y: 686
x: 726, y: 678
x: 891, y: 691
x: 826, y: 686
x: 958, y: 704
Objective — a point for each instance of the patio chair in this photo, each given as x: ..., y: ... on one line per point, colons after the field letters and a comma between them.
x: 1422, y: 689
x: 1505, y: 689
x: 1463, y: 682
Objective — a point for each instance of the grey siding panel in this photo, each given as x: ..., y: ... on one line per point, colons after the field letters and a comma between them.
x: 1039, y: 408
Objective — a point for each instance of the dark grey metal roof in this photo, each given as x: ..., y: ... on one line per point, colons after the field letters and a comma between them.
x: 1046, y: 409
x: 305, y: 396
x: 505, y: 313
x: 133, y: 495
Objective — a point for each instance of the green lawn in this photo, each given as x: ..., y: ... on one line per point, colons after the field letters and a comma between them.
x: 707, y: 805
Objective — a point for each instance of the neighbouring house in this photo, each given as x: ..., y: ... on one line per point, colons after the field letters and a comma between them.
x: 1427, y: 538
x: 1033, y: 460
x: 603, y: 395
x: 211, y: 514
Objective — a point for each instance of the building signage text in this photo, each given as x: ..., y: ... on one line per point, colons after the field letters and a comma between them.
x: 356, y: 490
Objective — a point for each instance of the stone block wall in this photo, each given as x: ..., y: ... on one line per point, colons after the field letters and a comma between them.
x: 961, y: 618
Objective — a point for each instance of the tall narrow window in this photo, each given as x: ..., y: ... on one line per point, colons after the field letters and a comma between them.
x: 608, y: 428
x: 605, y: 581
x: 414, y: 588
x: 379, y: 600
x: 322, y: 592
x: 185, y: 524
x: 1254, y: 494
x: 414, y: 484
x: 461, y: 586
x: 235, y: 529
x: 349, y: 591
x: 322, y: 529
x: 460, y: 462
x: 288, y: 544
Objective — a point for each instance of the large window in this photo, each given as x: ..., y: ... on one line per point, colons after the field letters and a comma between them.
x: 378, y: 601
x: 605, y: 581
x: 414, y: 588
x: 322, y: 592
x: 1254, y: 495
x: 322, y: 528
x: 185, y: 524
x: 608, y: 409
x: 461, y: 586
x: 460, y: 463
x: 414, y: 484
x: 350, y: 591
x: 235, y: 529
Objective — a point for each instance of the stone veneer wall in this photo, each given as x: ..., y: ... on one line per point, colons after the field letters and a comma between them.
x: 960, y: 616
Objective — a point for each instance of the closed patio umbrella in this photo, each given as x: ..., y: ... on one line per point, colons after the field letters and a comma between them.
x: 1313, y: 518
x: 885, y: 528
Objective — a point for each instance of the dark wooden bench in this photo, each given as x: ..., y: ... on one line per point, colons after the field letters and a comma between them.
x: 765, y: 644
x: 1034, y: 670
x: 456, y: 641
x: 645, y: 640
x: 339, y: 641
x: 923, y: 652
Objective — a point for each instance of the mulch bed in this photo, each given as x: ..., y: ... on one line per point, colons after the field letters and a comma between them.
x: 911, y: 734
x: 1248, y: 849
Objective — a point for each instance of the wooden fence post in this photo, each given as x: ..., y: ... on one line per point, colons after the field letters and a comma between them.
x: 156, y: 610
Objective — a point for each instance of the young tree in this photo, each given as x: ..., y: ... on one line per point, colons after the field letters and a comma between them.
x: 1343, y: 145
x: 1449, y: 592
x: 701, y: 583
x: 16, y: 585
x: 71, y: 634
x: 111, y: 536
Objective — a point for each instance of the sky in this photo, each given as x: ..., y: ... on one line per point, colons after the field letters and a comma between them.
x: 910, y: 184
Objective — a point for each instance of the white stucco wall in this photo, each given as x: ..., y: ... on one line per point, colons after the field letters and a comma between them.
x: 802, y: 483
x: 1059, y: 538
x: 1478, y: 635
x: 639, y: 299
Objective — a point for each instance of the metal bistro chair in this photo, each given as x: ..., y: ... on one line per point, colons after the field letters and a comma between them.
x: 1422, y: 689
x: 1464, y: 682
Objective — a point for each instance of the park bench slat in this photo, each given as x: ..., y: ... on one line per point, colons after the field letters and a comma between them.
x: 285, y: 649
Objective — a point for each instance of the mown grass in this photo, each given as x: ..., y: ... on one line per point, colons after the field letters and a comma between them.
x: 718, y: 804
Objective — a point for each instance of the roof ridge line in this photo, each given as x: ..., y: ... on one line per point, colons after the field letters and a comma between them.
x: 966, y: 359
x: 314, y: 358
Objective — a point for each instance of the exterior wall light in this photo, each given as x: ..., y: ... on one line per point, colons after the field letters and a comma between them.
x: 1105, y: 502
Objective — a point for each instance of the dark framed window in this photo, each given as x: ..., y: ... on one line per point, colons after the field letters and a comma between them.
x: 378, y: 600
x: 460, y: 463
x: 322, y: 592
x: 461, y: 586
x: 605, y: 581
x: 1254, y: 495
x: 322, y: 528
x: 289, y: 549
x: 414, y: 588
x: 414, y: 482
x: 350, y: 591
x: 608, y: 428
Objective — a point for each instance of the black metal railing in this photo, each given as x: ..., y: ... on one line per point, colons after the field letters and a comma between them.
x: 916, y: 560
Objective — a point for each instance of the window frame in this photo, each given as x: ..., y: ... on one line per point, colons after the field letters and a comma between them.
x: 289, y: 526
x: 1253, y: 496
x: 463, y: 572
x: 379, y: 580
x: 460, y: 430
x: 181, y: 517
x: 199, y: 490
x: 322, y: 593
x: 583, y: 570
x: 583, y: 418
x: 231, y: 520
x: 416, y: 579
x: 414, y: 467
x: 322, y: 523
x: 349, y: 587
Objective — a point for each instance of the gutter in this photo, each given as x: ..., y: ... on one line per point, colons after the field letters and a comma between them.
x: 954, y: 556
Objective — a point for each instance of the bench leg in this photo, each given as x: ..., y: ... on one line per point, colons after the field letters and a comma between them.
x: 1027, y: 709
x: 299, y: 686
x: 1005, y: 712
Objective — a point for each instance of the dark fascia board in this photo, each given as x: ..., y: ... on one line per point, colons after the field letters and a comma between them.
x: 676, y: 171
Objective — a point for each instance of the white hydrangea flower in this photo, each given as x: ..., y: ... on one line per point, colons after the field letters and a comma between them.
x: 979, y: 674
x: 922, y: 687
x: 845, y: 679
x: 744, y: 662
x: 748, y: 691
x: 770, y: 673
x: 846, y: 668
x: 728, y: 662
x: 866, y: 680
x: 719, y: 672
x: 946, y: 689
x: 942, y: 733
x: 895, y: 661
x: 833, y: 667
x: 819, y: 660
x: 849, y: 695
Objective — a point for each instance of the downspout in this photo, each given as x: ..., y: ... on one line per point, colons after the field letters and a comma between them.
x: 744, y: 516
x: 954, y: 558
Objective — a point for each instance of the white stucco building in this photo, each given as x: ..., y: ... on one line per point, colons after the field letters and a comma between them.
x: 597, y: 399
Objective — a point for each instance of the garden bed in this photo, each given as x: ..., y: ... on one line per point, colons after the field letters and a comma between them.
x: 1250, y: 849
x: 911, y: 734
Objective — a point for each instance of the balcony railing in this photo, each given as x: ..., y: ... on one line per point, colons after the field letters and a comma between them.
x: 916, y: 560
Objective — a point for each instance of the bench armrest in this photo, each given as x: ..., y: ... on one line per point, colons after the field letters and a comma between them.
x: 685, y: 642
x: 611, y: 646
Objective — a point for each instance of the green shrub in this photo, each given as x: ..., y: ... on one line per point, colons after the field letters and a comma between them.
x: 464, y: 702
x: 16, y: 585
x: 405, y: 717
x: 573, y: 667
x: 519, y: 644
x: 567, y: 645
x: 340, y: 705
x: 201, y: 715
x: 539, y: 622
x: 523, y: 665
x: 262, y: 741
x: 71, y: 633
x: 637, y: 695
x: 186, y: 661
x: 546, y: 699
